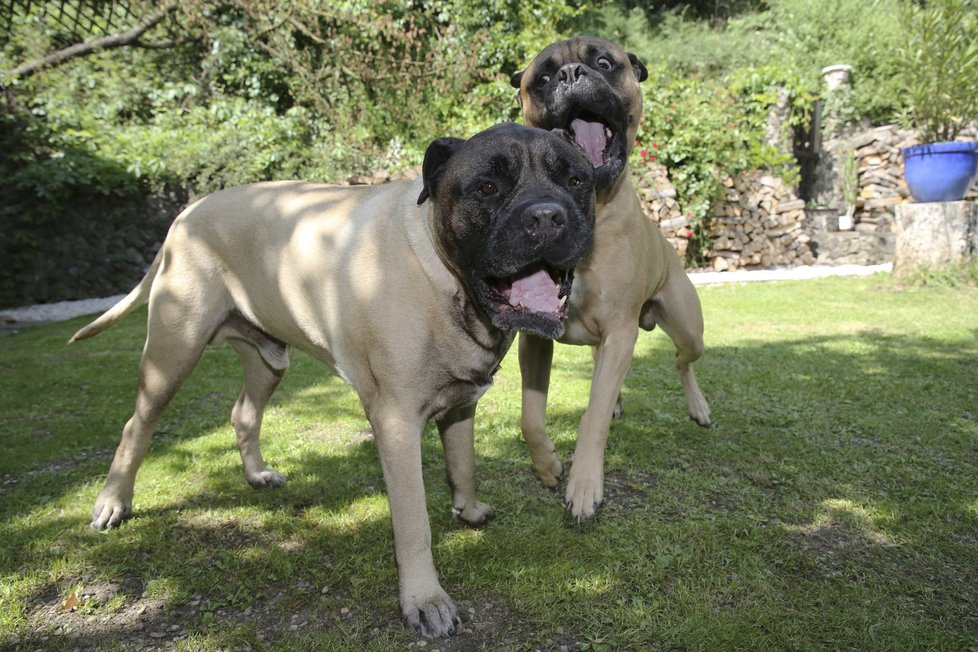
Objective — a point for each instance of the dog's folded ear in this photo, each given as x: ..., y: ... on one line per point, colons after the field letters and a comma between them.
x: 516, y: 79
x: 435, y: 157
x: 641, y: 72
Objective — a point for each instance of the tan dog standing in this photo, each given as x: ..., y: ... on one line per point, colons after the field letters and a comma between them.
x: 413, y: 302
x: 632, y: 278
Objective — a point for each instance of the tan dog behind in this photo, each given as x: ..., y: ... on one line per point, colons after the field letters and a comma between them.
x: 632, y: 278
x: 410, y: 291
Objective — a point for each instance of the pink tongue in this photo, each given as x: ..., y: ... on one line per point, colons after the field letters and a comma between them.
x: 536, y: 292
x: 590, y: 136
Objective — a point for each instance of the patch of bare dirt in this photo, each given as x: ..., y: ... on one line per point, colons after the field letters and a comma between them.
x: 121, y: 615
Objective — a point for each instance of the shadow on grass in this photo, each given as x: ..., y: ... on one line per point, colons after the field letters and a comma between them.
x: 839, y: 467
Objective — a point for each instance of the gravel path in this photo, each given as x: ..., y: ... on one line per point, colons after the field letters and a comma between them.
x: 52, y: 312
x: 49, y: 312
x: 787, y: 273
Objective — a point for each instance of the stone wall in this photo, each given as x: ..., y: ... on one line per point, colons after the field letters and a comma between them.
x: 102, y: 248
x: 881, y: 188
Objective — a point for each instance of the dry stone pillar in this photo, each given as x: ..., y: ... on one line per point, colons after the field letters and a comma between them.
x: 934, y: 234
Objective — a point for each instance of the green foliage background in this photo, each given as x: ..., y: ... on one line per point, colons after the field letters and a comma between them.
x: 256, y: 89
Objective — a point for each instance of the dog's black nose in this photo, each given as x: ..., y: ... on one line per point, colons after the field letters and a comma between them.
x: 570, y: 73
x: 544, y: 222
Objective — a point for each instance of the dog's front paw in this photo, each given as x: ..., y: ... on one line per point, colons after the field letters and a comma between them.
x: 110, y: 510
x: 475, y: 515
x: 431, y: 616
x: 265, y: 479
x: 585, y: 489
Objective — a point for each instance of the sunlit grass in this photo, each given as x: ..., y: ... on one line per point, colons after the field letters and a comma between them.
x: 832, y: 506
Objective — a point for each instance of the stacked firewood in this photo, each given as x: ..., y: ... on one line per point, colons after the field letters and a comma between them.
x: 880, y: 168
x: 658, y: 198
x: 758, y: 223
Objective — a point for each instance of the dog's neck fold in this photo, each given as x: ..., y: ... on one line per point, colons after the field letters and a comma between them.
x: 445, y: 280
x: 619, y: 190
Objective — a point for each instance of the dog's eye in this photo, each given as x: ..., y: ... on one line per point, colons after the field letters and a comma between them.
x: 543, y: 79
x: 574, y: 182
x: 488, y: 189
x: 605, y: 64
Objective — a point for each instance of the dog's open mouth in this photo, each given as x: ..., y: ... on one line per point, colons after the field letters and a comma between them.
x: 602, y: 142
x: 539, y: 290
x: 594, y: 136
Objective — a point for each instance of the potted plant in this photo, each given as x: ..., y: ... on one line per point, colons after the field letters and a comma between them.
x: 940, y: 49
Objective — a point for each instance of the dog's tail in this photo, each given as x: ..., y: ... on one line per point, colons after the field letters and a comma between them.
x: 130, y: 302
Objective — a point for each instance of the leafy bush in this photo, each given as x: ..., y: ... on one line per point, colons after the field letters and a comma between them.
x: 798, y: 35
x: 261, y: 90
x: 940, y: 49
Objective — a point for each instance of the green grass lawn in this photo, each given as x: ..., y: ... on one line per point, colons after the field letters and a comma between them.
x: 834, y: 505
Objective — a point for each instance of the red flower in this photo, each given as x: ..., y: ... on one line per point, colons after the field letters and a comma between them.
x: 644, y: 154
x: 655, y: 145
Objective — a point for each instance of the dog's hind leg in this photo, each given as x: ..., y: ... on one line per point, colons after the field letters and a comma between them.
x: 175, y: 340
x: 456, y: 430
x: 676, y: 308
x: 261, y: 380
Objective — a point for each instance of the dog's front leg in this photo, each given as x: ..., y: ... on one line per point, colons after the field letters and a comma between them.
x: 536, y: 358
x: 585, y: 484
x: 425, y: 606
x: 458, y: 441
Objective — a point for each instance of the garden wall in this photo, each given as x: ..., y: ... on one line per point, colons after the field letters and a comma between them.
x: 102, y: 248
x: 760, y: 222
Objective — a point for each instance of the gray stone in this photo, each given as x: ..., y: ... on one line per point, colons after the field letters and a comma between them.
x: 934, y: 234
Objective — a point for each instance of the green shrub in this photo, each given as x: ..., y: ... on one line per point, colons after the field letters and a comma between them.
x: 940, y: 49
x: 798, y: 35
x: 44, y: 179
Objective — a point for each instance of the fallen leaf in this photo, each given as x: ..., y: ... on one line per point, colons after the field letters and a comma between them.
x: 70, y: 603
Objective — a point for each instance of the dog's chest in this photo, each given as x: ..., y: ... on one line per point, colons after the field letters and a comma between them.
x: 465, y: 373
x: 581, y: 327
x: 460, y: 389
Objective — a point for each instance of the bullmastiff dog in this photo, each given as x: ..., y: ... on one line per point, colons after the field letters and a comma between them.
x: 632, y: 277
x: 412, y: 291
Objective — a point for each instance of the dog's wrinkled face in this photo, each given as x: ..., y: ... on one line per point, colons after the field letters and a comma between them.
x: 513, y: 213
x: 588, y: 87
